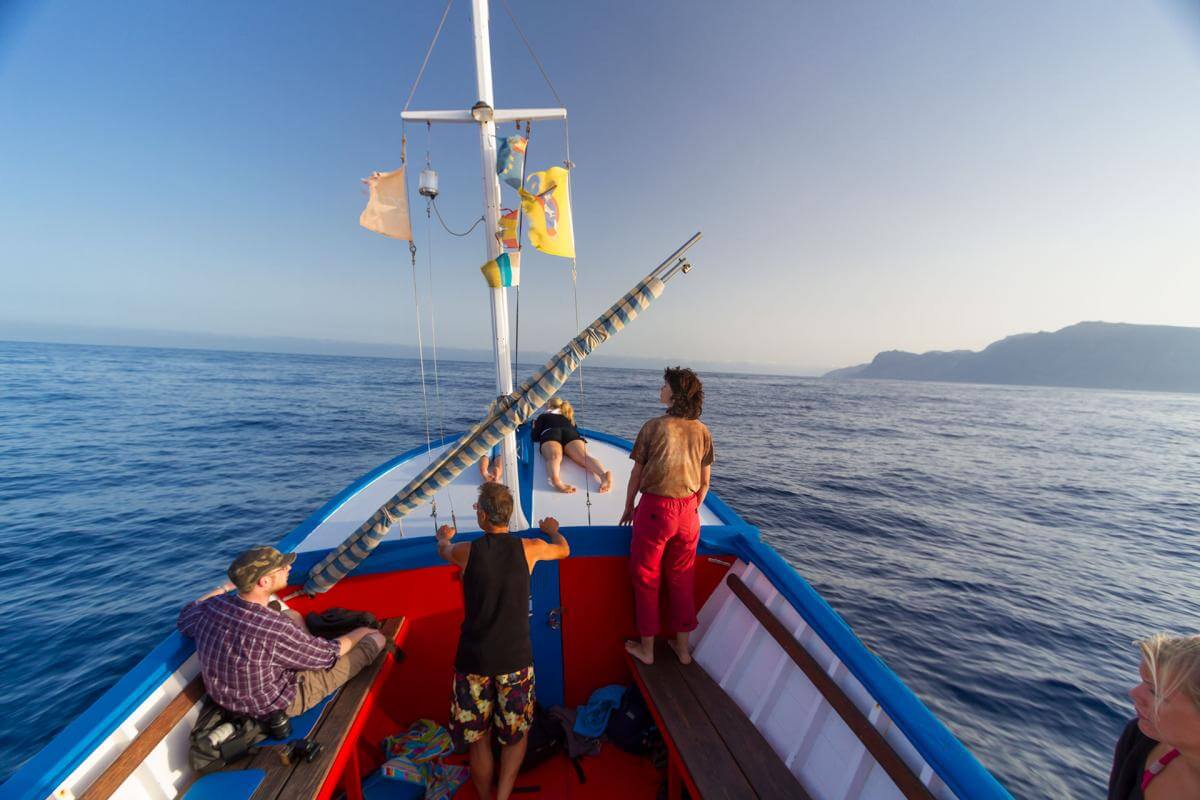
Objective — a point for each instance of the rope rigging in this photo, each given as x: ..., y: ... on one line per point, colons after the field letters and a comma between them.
x: 574, y: 263
x: 431, y: 209
x: 412, y: 250
x: 428, y: 53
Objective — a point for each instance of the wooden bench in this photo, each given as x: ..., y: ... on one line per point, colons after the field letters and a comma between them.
x: 342, y: 716
x: 714, y: 747
x: 339, y: 724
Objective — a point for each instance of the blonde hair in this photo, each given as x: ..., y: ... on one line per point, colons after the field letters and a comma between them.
x: 1174, y: 665
x: 563, y: 407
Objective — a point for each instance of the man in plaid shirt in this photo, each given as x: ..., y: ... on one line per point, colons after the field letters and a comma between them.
x: 256, y: 660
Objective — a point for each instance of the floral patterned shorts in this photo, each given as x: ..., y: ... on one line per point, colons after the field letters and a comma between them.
x: 505, y: 702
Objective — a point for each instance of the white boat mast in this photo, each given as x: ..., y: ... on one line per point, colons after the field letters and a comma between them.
x: 485, y: 115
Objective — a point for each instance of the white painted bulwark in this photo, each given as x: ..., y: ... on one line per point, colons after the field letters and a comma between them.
x: 162, y: 773
x: 801, y: 726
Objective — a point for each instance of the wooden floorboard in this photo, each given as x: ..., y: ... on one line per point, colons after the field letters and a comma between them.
x: 704, y: 754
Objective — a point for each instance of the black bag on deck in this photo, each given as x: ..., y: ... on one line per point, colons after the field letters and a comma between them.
x: 334, y: 622
x: 630, y: 726
x: 546, y: 738
x: 221, y: 737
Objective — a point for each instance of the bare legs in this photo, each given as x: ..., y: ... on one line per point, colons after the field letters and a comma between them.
x: 577, y: 452
x: 680, y: 645
x: 511, y: 756
x: 491, y: 470
x: 643, y: 649
x: 483, y: 766
x: 552, y: 452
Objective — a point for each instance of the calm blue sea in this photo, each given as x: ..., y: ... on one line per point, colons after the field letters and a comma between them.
x: 999, y: 547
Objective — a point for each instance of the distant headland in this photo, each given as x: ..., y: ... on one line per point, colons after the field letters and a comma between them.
x: 1099, y: 355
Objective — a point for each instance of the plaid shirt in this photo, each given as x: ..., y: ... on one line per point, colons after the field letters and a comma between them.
x: 250, y: 654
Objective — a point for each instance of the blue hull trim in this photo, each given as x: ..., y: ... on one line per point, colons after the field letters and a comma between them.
x: 956, y: 765
x: 41, y: 775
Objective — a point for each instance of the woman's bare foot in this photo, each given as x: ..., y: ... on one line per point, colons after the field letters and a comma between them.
x: 565, y: 488
x: 684, y: 652
x: 606, y: 482
x: 635, y: 649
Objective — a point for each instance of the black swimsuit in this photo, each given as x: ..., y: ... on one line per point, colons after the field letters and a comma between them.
x: 550, y: 427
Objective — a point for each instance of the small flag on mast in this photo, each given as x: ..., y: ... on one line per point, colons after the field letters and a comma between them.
x: 510, y: 159
x: 387, y: 209
x: 509, y: 236
x: 503, y: 270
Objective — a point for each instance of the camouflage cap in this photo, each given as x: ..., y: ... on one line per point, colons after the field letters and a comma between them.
x: 251, y: 565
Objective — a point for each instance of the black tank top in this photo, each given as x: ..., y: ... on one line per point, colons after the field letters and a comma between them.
x: 495, y: 629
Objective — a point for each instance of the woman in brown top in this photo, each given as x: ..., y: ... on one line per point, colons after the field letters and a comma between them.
x: 673, y: 457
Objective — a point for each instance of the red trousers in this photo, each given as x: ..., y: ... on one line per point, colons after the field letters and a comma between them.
x: 666, y: 531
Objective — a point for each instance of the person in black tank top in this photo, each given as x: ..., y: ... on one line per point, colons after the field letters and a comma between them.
x: 493, y: 667
x: 495, y: 630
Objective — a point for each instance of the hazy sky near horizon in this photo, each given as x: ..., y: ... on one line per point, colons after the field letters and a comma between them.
x: 868, y: 175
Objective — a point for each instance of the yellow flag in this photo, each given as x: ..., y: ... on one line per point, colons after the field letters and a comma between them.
x: 548, y: 209
x: 387, y: 210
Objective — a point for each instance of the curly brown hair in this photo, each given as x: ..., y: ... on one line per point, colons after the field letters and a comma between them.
x: 687, y: 392
x: 496, y: 503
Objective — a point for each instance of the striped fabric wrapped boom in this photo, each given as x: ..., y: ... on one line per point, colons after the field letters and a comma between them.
x: 507, y: 413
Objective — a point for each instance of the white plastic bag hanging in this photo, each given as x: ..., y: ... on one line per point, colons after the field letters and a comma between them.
x: 387, y: 210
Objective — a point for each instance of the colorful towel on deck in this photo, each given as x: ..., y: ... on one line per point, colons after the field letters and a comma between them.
x: 415, y: 757
x: 423, y: 740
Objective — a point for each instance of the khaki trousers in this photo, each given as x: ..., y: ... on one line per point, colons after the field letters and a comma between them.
x: 314, y: 685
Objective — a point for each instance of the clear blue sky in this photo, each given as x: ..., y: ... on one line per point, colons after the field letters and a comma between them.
x: 926, y: 175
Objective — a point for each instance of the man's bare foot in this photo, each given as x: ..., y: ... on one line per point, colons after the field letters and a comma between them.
x: 606, y: 483
x: 684, y: 654
x: 635, y: 649
x: 565, y: 488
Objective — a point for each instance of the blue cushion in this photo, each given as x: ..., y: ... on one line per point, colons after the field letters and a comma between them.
x: 226, y: 785
x: 303, y: 725
x: 378, y: 787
